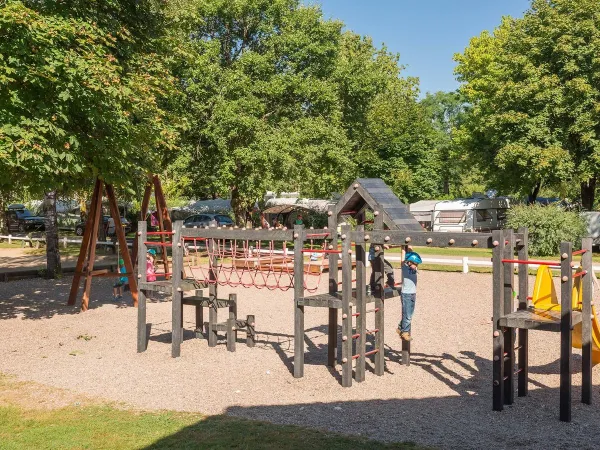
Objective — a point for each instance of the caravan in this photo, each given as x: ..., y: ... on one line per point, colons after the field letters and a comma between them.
x: 470, y: 214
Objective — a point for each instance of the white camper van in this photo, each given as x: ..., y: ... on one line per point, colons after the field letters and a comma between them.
x: 592, y: 219
x: 470, y: 214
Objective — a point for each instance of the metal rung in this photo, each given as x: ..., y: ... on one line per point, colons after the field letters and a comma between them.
x: 355, y: 336
x: 367, y: 311
x: 372, y: 352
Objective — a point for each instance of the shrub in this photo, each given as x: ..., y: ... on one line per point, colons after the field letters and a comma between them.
x: 548, y: 226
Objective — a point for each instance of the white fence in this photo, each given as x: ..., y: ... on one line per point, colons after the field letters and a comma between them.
x: 64, y: 240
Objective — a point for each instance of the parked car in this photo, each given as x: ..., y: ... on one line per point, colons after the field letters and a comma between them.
x: 109, y: 225
x: 19, y: 218
x: 203, y: 220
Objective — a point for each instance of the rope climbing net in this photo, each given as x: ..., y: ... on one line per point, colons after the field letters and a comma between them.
x: 255, y: 263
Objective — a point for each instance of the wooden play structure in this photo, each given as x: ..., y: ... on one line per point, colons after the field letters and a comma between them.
x: 87, y: 253
x: 572, y: 317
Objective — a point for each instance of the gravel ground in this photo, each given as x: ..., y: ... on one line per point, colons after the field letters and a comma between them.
x: 443, y: 399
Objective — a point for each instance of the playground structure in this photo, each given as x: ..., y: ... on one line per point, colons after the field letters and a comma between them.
x: 87, y: 253
x: 232, y: 260
x: 572, y: 317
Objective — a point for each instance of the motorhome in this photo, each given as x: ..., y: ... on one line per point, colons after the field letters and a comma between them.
x: 470, y: 214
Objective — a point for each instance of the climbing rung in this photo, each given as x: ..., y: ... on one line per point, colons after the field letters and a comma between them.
x: 376, y: 330
x: 355, y: 356
x: 514, y: 373
x: 366, y: 312
x: 355, y: 336
x: 372, y: 352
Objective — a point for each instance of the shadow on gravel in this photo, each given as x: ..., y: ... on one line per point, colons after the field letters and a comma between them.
x: 462, y: 421
x: 43, y: 299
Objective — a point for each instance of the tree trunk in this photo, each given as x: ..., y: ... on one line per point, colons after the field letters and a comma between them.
x: 239, y: 206
x: 533, y: 194
x: 588, y: 193
x: 53, y: 267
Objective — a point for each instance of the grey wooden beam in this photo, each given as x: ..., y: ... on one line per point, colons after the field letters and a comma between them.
x: 298, y: 309
x: 566, y: 339
x: 142, y: 337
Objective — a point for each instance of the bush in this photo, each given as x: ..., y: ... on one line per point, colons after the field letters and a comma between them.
x: 548, y: 226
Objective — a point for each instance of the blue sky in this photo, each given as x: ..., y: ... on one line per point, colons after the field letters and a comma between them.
x: 426, y: 33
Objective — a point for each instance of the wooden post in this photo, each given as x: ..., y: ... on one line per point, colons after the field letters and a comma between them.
x: 142, y: 335
x: 509, y: 335
x: 233, y: 315
x: 230, y: 335
x: 498, y: 309
x: 523, y: 361
x: 361, y: 309
x: 251, y: 330
x: 212, y: 293
x: 164, y: 221
x: 199, y: 316
x: 405, y: 353
x: 379, y: 294
x: 566, y: 363
x: 333, y: 289
x: 346, y: 308
x: 586, y: 324
x: 92, y: 249
x: 85, y: 245
x: 299, y: 309
x: 114, y: 210
x: 177, y: 303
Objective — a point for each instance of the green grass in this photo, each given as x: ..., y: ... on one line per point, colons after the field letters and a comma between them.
x: 106, y: 427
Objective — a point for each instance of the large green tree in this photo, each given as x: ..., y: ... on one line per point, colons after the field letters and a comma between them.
x: 82, y: 94
x: 534, y: 86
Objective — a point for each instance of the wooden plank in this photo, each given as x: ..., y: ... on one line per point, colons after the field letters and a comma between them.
x: 379, y: 295
x: 92, y: 252
x: 114, y: 210
x: 438, y: 239
x: 333, y: 261
x: 206, y: 301
x: 586, y: 325
x: 212, y: 293
x: 84, y: 249
x: 509, y: 335
x: 346, y: 308
x: 298, y: 309
x: 142, y: 338
x: 566, y: 340
x: 239, y: 234
x: 177, y: 306
x: 523, y: 360
x: 361, y: 306
x: 536, y: 319
x: 498, y: 308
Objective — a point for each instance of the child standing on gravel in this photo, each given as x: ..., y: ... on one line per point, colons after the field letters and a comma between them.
x: 408, y: 293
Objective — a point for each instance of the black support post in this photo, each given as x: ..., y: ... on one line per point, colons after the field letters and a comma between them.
x: 523, y: 361
x: 566, y: 339
x: 498, y: 308
x: 509, y: 334
x: 586, y: 325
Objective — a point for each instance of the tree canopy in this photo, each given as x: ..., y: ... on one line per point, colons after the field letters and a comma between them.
x: 534, y: 89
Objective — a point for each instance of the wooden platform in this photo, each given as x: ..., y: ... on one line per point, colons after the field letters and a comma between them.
x: 166, y: 286
x: 335, y: 300
x: 536, y: 319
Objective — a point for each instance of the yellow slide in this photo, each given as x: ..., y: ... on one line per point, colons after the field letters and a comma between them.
x: 545, y: 298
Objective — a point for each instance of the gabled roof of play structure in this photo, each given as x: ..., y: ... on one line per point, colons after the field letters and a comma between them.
x: 374, y: 194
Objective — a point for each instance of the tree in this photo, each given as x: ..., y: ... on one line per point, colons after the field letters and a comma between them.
x: 79, y: 99
x: 534, y: 86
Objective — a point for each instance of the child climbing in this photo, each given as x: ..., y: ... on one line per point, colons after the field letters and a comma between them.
x: 118, y: 286
x: 150, y: 269
x: 408, y: 293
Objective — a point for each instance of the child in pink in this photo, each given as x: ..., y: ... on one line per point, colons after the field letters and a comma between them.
x: 150, y: 270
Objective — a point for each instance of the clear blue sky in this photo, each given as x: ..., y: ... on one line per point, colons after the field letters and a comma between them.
x: 426, y: 33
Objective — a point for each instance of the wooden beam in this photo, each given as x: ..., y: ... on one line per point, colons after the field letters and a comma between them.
x: 114, y: 211
x: 92, y: 252
x: 143, y: 213
x: 298, y: 309
x: 142, y: 336
x: 523, y: 360
x: 586, y: 325
x: 346, y: 308
x: 161, y: 223
x: 509, y: 335
x: 498, y: 309
x: 333, y: 288
x: 83, y: 250
x: 566, y: 339
x: 176, y: 306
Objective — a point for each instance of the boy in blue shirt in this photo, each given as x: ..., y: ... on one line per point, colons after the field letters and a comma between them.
x: 408, y: 293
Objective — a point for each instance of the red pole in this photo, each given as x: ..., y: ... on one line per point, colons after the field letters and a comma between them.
x: 539, y: 263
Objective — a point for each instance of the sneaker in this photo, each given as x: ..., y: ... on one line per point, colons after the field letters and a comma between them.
x: 120, y: 297
x: 405, y: 336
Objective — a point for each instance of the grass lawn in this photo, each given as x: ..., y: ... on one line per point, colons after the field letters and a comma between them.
x: 105, y: 427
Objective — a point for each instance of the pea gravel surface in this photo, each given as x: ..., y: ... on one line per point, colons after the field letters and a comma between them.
x: 443, y: 399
